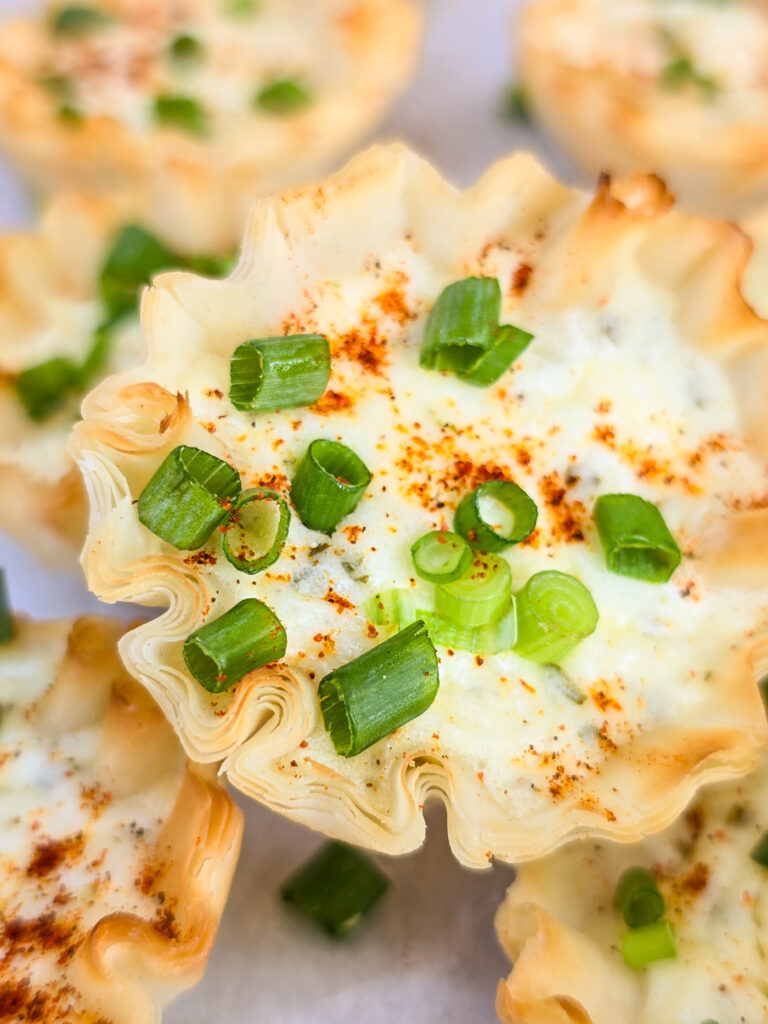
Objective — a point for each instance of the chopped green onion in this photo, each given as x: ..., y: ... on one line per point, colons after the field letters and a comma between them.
x: 59, y: 86
x: 186, y: 49
x: 259, y: 513
x: 283, y: 96
x: 490, y: 639
x: 638, y: 897
x: 329, y: 482
x: 763, y: 687
x: 377, y: 693
x: 463, y: 334
x: 441, y: 557
x: 279, y: 373
x: 135, y: 257
x: 391, y: 608
x: 515, y: 104
x: 240, y: 8
x: 78, y: 19
x: 759, y: 852
x: 480, y: 597
x: 69, y: 115
x: 555, y: 612
x: 208, y: 266
x: 245, y: 638
x: 336, y: 888
x: 652, y: 942
x: 635, y: 538
x: 681, y: 71
x: 44, y: 388
x: 189, y: 495
x: 509, y: 343
x: 496, y: 514
x: 182, y: 112
x: 7, y: 628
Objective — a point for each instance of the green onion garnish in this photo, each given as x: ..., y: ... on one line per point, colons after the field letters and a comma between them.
x: 635, y: 538
x: 480, y: 597
x: 259, y: 513
x: 463, y: 335
x: 78, y: 19
x: 43, y: 389
x: 391, y: 608
x: 59, y: 86
x: 283, y: 96
x: 69, y: 115
x: 377, y: 693
x: 182, y: 112
x: 186, y: 49
x: 642, y: 946
x: 135, y: 257
x: 336, y: 888
x: 240, y: 8
x: 759, y: 852
x: 515, y: 104
x: 7, y: 628
x: 490, y: 639
x: 329, y: 482
x: 279, y: 373
x: 639, y: 898
x: 496, y: 514
x: 441, y: 557
x: 555, y: 612
x: 189, y: 495
x: 681, y: 71
x: 245, y: 638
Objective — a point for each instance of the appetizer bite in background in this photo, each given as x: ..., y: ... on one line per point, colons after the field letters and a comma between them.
x: 671, y: 929
x: 208, y: 102
x: 449, y: 496
x: 69, y: 316
x: 676, y: 88
x: 117, y: 853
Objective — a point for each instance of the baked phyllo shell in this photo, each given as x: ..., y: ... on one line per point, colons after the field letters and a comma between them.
x: 619, y: 90
x: 119, y: 854
x: 562, y: 927
x: 51, y: 307
x: 355, y: 56
x: 387, y: 233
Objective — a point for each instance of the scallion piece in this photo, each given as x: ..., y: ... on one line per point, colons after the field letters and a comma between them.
x: 491, y: 639
x: 635, y: 538
x: 245, y: 638
x: 7, y: 628
x: 759, y: 852
x: 329, y: 482
x: 279, y: 373
x: 336, y: 888
x: 441, y: 557
x: 182, y: 112
x: 189, y: 495
x: 480, y: 597
x: 638, y: 897
x: 44, y: 388
x: 463, y: 334
x: 78, y: 19
x: 516, y: 104
x: 391, y: 608
x: 283, y: 96
x: 555, y: 612
x: 257, y: 530
x: 642, y: 946
x: 377, y: 693
x: 496, y: 514
x: 240, y: 8
x: 186, y: 49
x: 135, y: 257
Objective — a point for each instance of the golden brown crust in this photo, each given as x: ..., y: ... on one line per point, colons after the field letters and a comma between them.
x: 610, y: 117
x: 268, y: 727
x: 123, y: 965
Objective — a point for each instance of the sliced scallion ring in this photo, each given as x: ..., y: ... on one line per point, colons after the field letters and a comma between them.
x: 78, y: 19
x: 329, y: 482
x: 279, y: 373
x: 189, y: 495
x: 256, y: 530
x: 441, y: 557
x: 245, y: 638
x: 44, y: 388
x: 380, y: 691
x: 186, y: 49
x: 652, y: 942
x: 508, y: 345
x: 182, y: 112
x: 496, y: 514
x: 635, y: 538
x: 480, y: 597
x: 7, y: 628
x: 638, y: 897
x: 336, y: 888
x: 283, y: 96
x: 555, y: 612
x: 391, y: 608
x: 460, y: 328
x: 490, y: 639
x: 759, y: 852
x: 135, y: 257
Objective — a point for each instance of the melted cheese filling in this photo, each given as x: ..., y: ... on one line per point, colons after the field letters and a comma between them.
x: 597, y: 404
x: 69, y: 853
